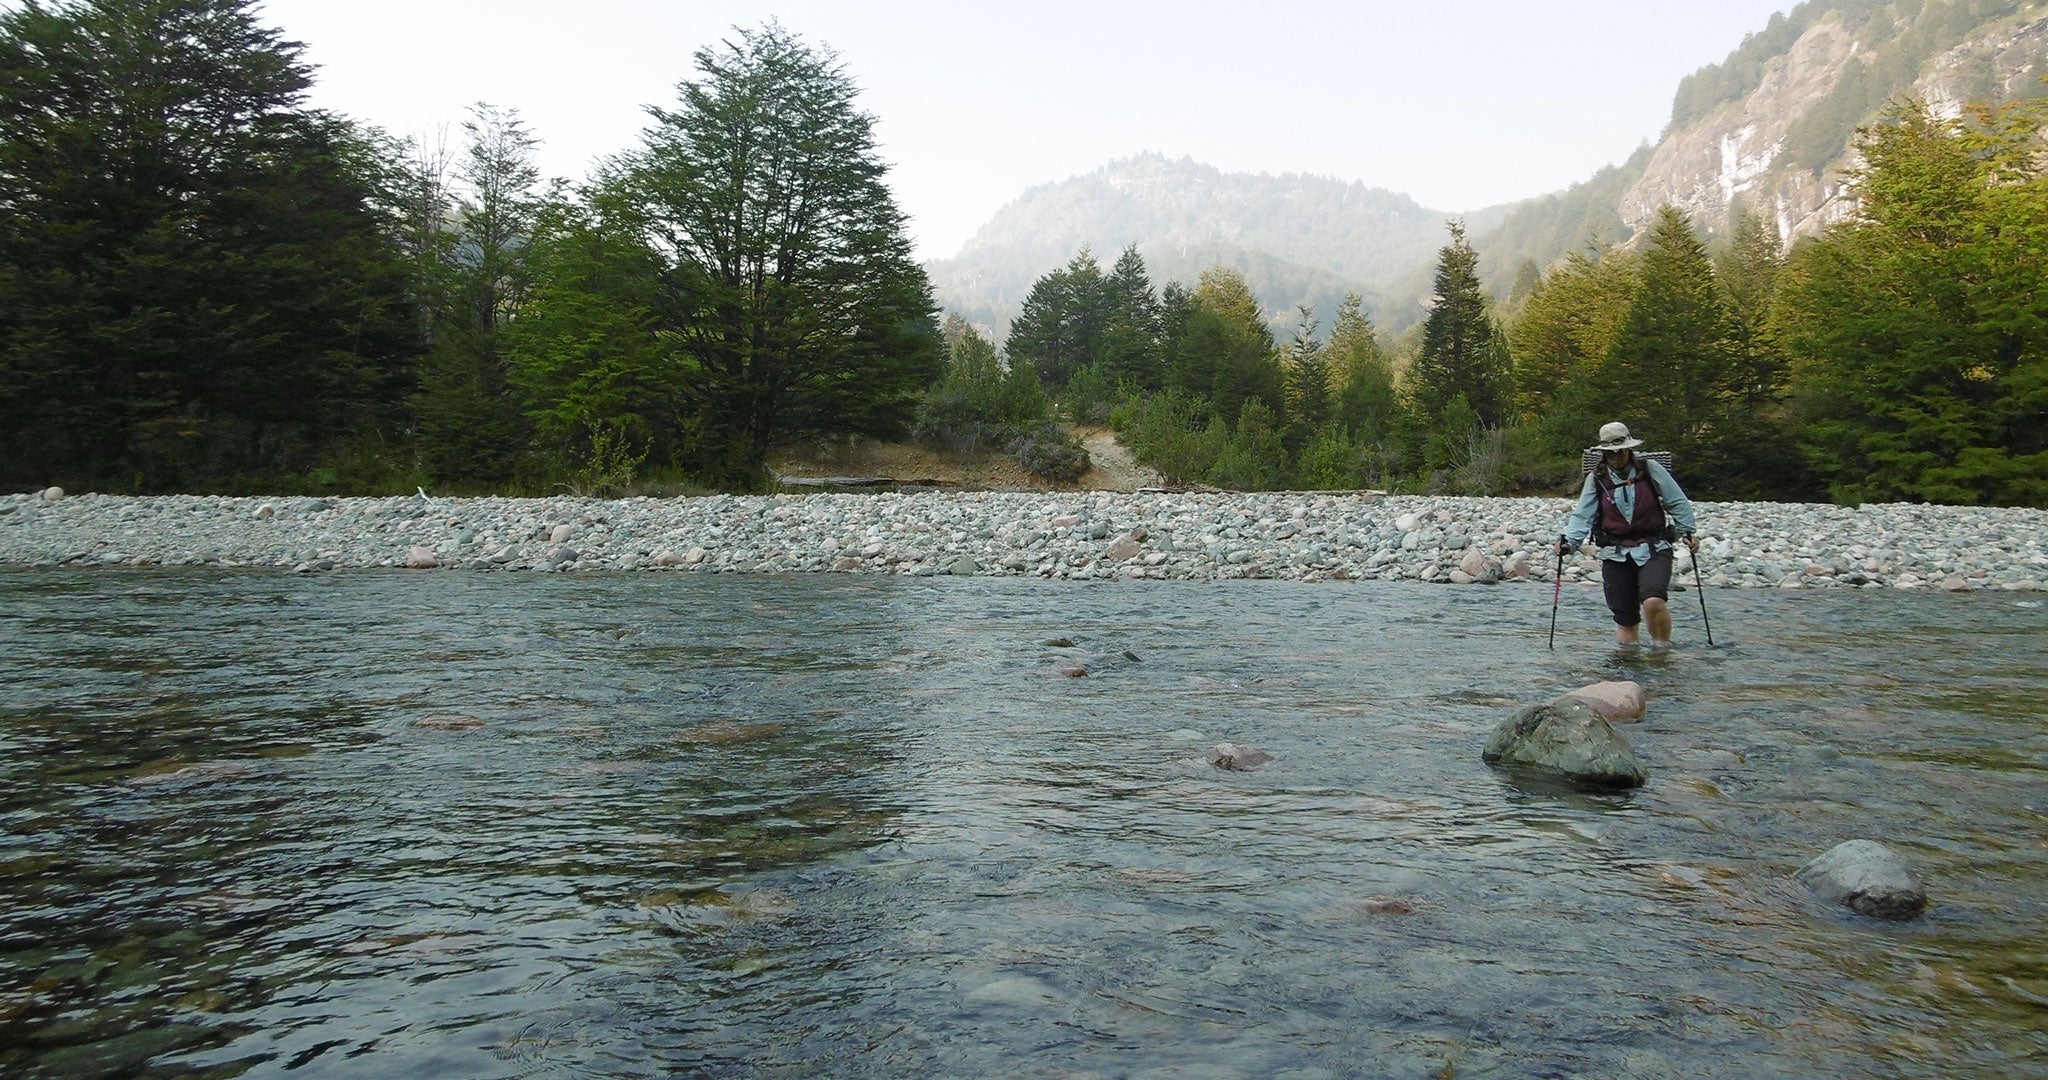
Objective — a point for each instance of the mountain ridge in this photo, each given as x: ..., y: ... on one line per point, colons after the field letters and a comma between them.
x: 1769, y: 125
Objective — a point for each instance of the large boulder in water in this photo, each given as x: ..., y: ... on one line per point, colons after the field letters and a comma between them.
x: 1565, y: 738
x: 1868, y: 877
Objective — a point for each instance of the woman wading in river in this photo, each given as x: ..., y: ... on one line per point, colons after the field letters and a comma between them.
x: 1634, y: 511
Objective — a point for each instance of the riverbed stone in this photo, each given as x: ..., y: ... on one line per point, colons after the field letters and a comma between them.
x: 1566, y: 738
x: 1867, y: 877
x: 421, y: 557
x: 1616, y: 702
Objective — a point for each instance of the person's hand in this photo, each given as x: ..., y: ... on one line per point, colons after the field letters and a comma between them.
x: 1692, y: 541
x: 1565, y: 547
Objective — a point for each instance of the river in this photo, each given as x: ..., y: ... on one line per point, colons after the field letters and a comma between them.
x: 504, y: 825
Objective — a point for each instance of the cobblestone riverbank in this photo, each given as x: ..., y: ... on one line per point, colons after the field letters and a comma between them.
x: 1311, y: 536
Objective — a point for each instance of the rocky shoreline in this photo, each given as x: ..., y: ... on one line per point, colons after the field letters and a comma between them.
x: 1308, y: 536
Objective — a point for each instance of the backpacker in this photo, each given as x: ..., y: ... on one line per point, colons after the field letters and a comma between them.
x: 1589, y: 461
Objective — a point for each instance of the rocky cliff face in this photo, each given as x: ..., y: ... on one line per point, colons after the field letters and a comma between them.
x: 1738, y: 153
x: 1778, y: 141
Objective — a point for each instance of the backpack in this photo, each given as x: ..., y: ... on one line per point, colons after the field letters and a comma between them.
x: 1590, y: 460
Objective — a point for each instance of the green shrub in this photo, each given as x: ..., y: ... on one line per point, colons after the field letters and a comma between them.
x: 1050, y: 453
x: 1329, y: 462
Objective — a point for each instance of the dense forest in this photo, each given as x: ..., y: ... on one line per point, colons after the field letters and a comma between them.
x: 1901, y: 356
x: 207, y: 285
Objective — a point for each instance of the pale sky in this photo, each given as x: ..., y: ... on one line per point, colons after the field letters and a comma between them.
x: 1458, y: 103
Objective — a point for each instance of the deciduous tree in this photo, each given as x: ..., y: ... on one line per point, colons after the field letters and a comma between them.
x: 792, y: 290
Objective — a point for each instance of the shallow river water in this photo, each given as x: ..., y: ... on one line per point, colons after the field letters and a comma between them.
x: 465, y: 825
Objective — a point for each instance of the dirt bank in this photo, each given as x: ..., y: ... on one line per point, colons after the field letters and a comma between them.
x: 1112, y: 467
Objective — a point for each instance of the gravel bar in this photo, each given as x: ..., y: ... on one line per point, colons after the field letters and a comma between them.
x: 1305, y: 536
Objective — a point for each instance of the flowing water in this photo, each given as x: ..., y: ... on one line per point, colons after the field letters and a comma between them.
x: 385, y: 824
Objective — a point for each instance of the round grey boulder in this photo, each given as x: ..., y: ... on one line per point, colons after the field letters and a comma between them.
x: 1565, y: 738
x: 1867, y: 877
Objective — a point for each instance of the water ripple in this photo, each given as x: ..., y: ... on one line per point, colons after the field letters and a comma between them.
x: 487, y: 825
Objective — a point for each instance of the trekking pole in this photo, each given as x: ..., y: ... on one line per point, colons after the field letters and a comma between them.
x: 1700, y: 586
x: 1557, y: 588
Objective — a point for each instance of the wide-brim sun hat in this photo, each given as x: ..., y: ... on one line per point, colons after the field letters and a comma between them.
x: 1615, y: 436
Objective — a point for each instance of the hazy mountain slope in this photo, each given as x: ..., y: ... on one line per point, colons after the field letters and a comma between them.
x: 1296, y: 238
x: 1769, y: 126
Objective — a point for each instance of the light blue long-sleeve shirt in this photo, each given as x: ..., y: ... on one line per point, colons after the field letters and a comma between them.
x: 1677, y: 508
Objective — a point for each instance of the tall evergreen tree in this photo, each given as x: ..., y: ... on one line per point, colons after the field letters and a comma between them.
x: 1366, y: 400
x: 1310, y: 402
x: 1061, y: 327
x: 1463, y: 349
x: 794, y: 294
x: 1569, y: 325
x: 1131, y: 340
x: 1226, y: 354
x: 1758, y: 408
x: 199, y: 285
x: 1668, y: 371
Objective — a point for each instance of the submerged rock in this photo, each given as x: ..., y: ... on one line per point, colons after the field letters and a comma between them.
x: 1569, y: 739
x: 1237, y: 758
x: 1867, y: 877
x: 448, y: 722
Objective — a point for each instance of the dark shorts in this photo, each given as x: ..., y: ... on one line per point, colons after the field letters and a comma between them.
x: 1629, y: 584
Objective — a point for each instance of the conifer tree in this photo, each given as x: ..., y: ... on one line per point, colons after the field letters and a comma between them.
x: 1131, y: 340
x: 1463, y: 350
x: 1569, y: 325
x: 1363, y: 373
x: 1669, y: 368
x: 1061, y: 327
x: 1310, y: 403
x: 1757, y: 407
x: 1227, y: 354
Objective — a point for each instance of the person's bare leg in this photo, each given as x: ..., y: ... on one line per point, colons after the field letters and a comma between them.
x: 1625, y: 635
x: 1658, y: 614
